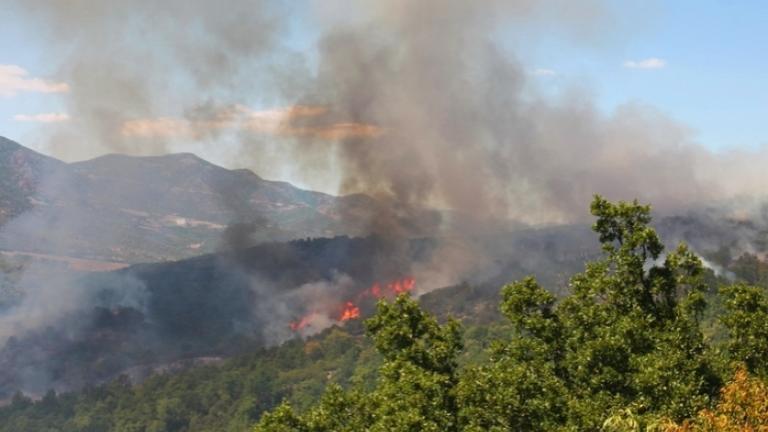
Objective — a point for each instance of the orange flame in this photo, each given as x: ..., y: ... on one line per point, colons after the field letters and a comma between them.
x: 350, y: 312
x: 402, y: 286
x: 393, y: 288
x: 300, y: 324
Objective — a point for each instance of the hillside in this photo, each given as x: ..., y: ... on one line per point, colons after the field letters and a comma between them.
x: 237, y: 284
x: 150, y: 315
x: 21, y: 172
x: 215, y: 394
x: 123, y: 209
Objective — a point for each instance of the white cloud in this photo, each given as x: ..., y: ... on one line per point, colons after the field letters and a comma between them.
x: 41, y: 118
x: 15, y: 79
x: 649, y: 63
x: 543, y: 72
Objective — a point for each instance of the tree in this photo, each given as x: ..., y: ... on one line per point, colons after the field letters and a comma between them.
x: 415, y: 390
x: 627, y: 336
x: 743, y: 407
x: 746, y: 318
x: 520, y: 389
x: 627, y: 339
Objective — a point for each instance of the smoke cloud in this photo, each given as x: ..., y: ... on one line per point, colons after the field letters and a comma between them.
x: 415, y: 103
x: 463, y: 131
x: 127, y: 61
x: 421, y: 105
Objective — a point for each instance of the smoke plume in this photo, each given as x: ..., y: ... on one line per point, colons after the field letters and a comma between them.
x: 420, y: 104
x: 125, y: 61
x: 461, y: 130
x: 415, y: 103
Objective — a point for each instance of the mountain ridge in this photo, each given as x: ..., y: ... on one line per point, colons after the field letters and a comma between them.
x: 131, y: 209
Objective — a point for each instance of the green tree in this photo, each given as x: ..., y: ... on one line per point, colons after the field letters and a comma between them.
x: 415, y: 390
x: 627, y: 335
x: 743, y: 407
x: 520, y: 388
x: 746, y: 318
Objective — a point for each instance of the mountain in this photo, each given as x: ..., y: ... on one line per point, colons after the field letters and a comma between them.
x: 21, y: 171
x: 141, y: 318
x: 222, y: 273
x: 116, y: 210
x: 149, y: 315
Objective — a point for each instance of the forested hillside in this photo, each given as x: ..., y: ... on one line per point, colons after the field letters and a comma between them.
x: 647, y: 339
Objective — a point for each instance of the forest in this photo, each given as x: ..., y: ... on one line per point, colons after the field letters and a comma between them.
x: 647, y: 339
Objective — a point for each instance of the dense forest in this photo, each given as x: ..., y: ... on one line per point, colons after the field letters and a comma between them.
x: 646, y: 339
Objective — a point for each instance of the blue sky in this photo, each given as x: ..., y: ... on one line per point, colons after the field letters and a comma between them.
x: 713, y: 77
x: 21, y: 49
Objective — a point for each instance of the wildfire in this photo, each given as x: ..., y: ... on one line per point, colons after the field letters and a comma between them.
x: 393, y: 288
x: 350, y: 309
x: 402, y: 286
x: 298, y: 325
x: 301, y: 324
x: 350, y: 312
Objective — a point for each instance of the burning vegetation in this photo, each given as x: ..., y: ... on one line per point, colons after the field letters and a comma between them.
x: 351, y: 309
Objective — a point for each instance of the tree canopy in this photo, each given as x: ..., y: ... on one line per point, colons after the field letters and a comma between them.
x: 623, y: 351
x: 643, y: 340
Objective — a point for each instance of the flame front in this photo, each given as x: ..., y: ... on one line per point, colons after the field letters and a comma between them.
x: 298, y: 325
x: 301, y: 324
x: 350, y: 309
x: 402, y: 286
x: 391, y: 289
x: 350, y: 312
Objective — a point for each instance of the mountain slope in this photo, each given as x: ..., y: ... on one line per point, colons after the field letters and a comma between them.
x: 125, y: 209
x: 21, y: 171
x: 149, y: 315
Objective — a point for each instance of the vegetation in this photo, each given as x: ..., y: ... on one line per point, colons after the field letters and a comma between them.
x: 633, y: 347
x: 743, y: 407
x: 226, y: 397
x: 624, y: 351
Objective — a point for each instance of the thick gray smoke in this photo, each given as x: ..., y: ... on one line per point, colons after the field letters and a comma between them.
x: 146, y: 59
x: 414, y: 102
x: 459, y: 128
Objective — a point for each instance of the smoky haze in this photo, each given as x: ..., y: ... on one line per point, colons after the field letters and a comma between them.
x: 138, y: 59
x: 417, y: 104
x: 462, y: 130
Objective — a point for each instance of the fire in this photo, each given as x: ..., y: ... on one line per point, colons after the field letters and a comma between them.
x: 350, y: 309
x: 349, y: 312
x: 300, y: 324
x: 402, y: 286
x: 393, y: 288
x: 376, y: 290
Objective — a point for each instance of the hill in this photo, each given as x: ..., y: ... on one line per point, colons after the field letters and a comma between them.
x: 232, y: 394
x: 21, y: 172
x: 123, y: 209
x: 149, y: 316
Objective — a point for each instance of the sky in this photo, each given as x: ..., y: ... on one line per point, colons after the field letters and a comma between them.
x: 710, y: 74
x: 19, y: 49
x: 701, y: 62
